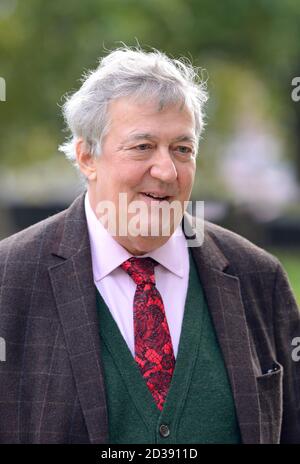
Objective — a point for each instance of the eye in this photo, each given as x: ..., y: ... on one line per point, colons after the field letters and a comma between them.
x: 143, y: 146
x: 184, y: 150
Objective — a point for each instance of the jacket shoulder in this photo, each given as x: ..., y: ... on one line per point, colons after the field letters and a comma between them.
x: 242, y: 254
x: 29, y: 241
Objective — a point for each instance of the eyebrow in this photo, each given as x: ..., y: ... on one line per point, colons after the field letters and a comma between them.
x: 148, y: 136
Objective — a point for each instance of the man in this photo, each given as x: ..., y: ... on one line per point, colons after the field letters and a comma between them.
x: 123, y: 325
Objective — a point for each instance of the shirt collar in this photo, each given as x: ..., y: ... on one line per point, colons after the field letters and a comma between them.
x: 108, y: 254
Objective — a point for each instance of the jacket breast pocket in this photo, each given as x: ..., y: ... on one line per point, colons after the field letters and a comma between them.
x: 270, y: 394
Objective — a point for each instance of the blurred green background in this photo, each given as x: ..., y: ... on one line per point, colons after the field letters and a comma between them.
x: 248, y: 51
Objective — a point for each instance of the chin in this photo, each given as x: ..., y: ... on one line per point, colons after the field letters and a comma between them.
x: 142, y: 245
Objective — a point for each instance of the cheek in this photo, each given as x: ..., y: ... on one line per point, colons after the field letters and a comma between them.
x: 186, y: 179
x: 131, y: 176
x: 124, y: 179
x: 110, y: 176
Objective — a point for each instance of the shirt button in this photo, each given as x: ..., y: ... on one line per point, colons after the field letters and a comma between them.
x: 164, y: 430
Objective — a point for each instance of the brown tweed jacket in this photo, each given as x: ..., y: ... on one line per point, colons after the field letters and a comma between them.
x: 51, y: 384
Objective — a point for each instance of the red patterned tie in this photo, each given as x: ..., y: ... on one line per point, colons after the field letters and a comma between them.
x: 153, y: 344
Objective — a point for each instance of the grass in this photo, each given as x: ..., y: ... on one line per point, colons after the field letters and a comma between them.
x: 290, y: 259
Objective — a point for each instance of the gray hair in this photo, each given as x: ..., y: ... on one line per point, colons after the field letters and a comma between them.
x: 135, y: 73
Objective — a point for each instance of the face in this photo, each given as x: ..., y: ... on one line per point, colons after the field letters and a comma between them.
x: 146, y: 153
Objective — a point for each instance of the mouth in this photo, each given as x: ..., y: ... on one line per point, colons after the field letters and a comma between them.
x: 155, y: 196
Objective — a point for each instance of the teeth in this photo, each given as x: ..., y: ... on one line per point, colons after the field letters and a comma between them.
x: 154, y: 196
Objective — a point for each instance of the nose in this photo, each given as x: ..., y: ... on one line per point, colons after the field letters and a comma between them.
x: 163, y: 167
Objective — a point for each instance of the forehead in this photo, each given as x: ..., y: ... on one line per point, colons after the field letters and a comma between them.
x: 127, y: 115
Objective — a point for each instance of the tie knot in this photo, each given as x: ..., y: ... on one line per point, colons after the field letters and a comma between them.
x: 141, y: 270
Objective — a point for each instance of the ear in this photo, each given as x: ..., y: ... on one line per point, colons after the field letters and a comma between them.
x: 86, y: 161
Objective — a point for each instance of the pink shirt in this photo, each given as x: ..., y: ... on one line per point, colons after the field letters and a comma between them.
x: 117, y: 288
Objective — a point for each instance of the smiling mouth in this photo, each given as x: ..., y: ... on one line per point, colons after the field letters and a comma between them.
x: 155, y: 197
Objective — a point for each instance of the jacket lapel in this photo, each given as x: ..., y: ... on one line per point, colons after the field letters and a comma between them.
x: 223, y: 296
x: 75, y: 296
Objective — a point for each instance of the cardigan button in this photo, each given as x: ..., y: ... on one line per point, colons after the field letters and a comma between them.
x: 164, y: 430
